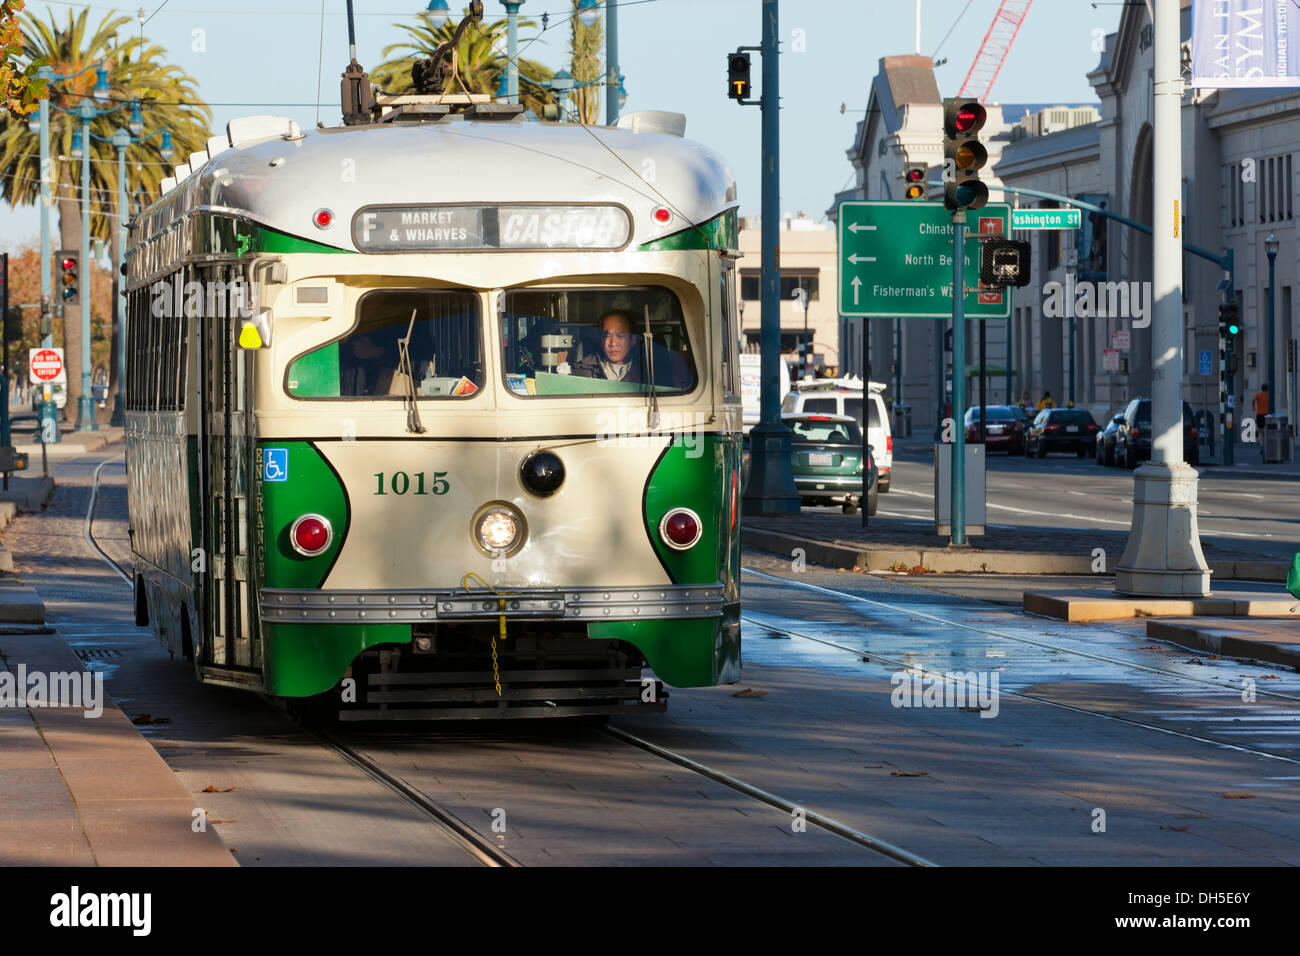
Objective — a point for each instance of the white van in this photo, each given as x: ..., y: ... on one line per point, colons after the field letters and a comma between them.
x: 751, y: 386
x: 839, y: 397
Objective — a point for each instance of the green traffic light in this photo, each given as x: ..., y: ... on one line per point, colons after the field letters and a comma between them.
x: 1233, y: 330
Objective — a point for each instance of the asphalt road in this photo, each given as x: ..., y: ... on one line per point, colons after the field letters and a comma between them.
x: 1239, y: 513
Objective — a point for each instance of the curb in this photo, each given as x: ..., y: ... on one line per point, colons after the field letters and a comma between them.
x: 943, y: 561
x: 1230, y: 640
x: 1080, y: 606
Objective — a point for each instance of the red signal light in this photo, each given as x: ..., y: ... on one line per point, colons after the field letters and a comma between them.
x: 310, y: 535
x: 68, y: 264
x: 680, y: 529
x: 969, y: 117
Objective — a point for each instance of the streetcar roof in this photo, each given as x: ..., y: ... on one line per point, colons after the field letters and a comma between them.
x: 283, y: 180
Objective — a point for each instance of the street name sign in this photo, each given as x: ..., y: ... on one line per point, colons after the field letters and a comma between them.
x: 895, y: 260
x: 1046, y: 219
x: 46, y: 365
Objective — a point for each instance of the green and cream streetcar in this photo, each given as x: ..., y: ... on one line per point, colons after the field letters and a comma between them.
x: 438, y: 415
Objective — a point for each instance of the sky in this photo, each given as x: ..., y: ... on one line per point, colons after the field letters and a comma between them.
x: 252, y: 57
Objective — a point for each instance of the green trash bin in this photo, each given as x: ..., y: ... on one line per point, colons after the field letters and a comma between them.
x: 1293, y: 578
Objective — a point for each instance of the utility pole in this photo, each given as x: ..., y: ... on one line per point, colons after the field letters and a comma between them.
x: 958, y: 517
x: 771, y: 488
x: 86, y: 403
x: 1164, y: 557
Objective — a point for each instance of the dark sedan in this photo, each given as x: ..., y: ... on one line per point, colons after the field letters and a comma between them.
x: 1062, y: 429
x: 826, y: 457
x: 1106, y: 440
x: 1004, y: 428
x: 1133, y: 437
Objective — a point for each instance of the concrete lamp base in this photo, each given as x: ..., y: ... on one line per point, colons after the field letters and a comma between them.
x: 1163, y: 557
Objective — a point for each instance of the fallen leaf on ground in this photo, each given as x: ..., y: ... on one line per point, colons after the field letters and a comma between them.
x: 211, y: 789
x: 150, y: 719
x: 1238, y: 796
x: 750, y: 692
x: 909, y: 773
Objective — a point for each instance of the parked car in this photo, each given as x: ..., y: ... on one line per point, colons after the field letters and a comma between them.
x: 58, y: 394
x: 826, y: 457
x: 1133, y: 436
x: 1062, y: 429
x: 820, y: 400
x: 1106, y: 440
x: 1004, y: 428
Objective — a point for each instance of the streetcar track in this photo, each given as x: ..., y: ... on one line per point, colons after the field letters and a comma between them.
x: 749, y: 790
x: 1043, y: 645
x: 904, y: 666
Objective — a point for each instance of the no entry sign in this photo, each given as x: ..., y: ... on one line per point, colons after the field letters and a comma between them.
x: 47, y: 365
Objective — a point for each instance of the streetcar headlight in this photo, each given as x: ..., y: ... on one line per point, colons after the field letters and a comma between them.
x: 498, y: 530
x: 310, y: 535
x: 681, y: 529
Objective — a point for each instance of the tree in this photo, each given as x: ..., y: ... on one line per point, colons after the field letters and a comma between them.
x: 137, y: 69
x: 584, y: 43
x: 480, y: 60
x: 20, y: 90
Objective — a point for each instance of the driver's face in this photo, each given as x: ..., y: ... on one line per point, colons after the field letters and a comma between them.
x: 616, y: 338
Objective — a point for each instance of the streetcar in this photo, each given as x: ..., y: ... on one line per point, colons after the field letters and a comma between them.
x: 439, y: 416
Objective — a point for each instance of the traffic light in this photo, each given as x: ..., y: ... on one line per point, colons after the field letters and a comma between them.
x: 69, y: 277
x: 738, y: 76
x: 1004, y: 262
x: 914, y: 181
x: 963, y: 154
x: 1228, y: 327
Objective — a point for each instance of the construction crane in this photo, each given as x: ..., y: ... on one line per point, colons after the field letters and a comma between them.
x: 993, y: 51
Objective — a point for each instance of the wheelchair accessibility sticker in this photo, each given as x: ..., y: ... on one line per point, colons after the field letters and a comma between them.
x: 275, y: 466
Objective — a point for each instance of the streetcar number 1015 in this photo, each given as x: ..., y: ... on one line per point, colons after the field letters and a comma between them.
x: 400, y: 483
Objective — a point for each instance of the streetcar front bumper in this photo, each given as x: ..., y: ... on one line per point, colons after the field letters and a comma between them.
x: 412, y: 606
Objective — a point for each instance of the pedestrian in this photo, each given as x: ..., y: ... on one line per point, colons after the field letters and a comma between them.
x: 1046, y: 401
x: 1261, y: 401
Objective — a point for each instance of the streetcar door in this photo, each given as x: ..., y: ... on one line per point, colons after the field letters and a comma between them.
x: 233, y: 649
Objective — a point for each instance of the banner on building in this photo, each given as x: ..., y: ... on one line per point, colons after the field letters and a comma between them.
x: 1245, y: 43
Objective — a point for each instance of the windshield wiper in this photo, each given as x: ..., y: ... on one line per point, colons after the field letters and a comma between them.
x: 413, y: 423
x: 650, y: 370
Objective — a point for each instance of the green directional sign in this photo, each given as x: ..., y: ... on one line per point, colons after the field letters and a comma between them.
x: 1046, y: 219
x: 895, y: 260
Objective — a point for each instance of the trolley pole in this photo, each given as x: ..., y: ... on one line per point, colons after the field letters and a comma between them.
x: 770, y: 488
x: 1163, y: 557
x: 957, y: 535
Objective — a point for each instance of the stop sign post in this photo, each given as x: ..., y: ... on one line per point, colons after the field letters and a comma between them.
x: 46, y: 366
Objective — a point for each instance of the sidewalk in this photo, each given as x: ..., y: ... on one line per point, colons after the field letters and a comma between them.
x: 79, y: 784
x: 892, y: 544
x: 1247, y: 463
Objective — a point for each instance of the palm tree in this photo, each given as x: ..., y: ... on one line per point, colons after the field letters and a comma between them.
x: 136, y: 69
x: 585, y: 47
x: 480, y: 60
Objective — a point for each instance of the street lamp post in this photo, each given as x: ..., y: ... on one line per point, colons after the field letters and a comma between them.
x: 771, y: 488
x: 614, y: 79
x: 121, y: 139
x: 86, y: 402
x: 1271, y: 247
x: 512, y: 49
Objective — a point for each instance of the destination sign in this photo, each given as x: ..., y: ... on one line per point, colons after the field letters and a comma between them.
x: 509, y: 227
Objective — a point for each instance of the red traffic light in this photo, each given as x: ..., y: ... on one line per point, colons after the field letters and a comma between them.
x: 963, y: 117
x: 68, y: 263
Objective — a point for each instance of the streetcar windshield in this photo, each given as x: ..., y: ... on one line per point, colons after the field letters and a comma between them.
x: 596, y: 341
x: 445, y: 349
